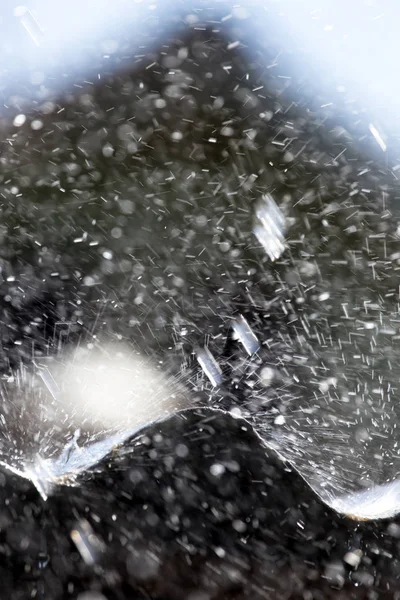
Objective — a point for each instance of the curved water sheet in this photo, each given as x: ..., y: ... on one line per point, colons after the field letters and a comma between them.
x: 66, y: 414
x: 319, y: 390
x: 316, y: 280
x: 316, y: 369
x: 330, y: 384
x: 373, y: 502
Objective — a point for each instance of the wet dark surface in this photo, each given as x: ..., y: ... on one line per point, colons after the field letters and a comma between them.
x: 126, y: 213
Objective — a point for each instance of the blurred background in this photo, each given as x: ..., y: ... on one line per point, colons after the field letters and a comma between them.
x: 138, y: 142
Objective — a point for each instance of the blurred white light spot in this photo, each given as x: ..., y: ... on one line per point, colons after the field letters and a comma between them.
x: 324, y: 296
x: 107, y: 150
x: 19, y: 11
x: 217, y: 469
x: 37, y: 77
x: 266, y: 376
x: 353, y: 558
x: 19, y: 120
x: 89, y: 281
x: 280, y: 420
x: 176, y: 136
x: 160, y: 103
x: 36, y: 124
x: 239, y: 12
x: 115, y: 388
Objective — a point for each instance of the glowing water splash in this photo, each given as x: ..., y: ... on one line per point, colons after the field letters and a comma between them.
x: 62, y: 418
x: 377, y: 502
x: 339, y: 447
x: 65, y: 417
x: 46, y: 473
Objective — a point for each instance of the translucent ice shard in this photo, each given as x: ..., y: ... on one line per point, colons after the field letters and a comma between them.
x: 210, y: 366
x: 378, y: 137
x: 269, y: 227
x: 31, y: 25
x: 245, y: 335
x: 88, y: 544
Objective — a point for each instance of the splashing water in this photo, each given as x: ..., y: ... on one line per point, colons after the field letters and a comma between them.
x: 332, y: 416
x: 64, y: 416
x: 333, y: 420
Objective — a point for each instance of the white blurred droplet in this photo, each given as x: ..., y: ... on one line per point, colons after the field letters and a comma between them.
x: 19, y: 120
